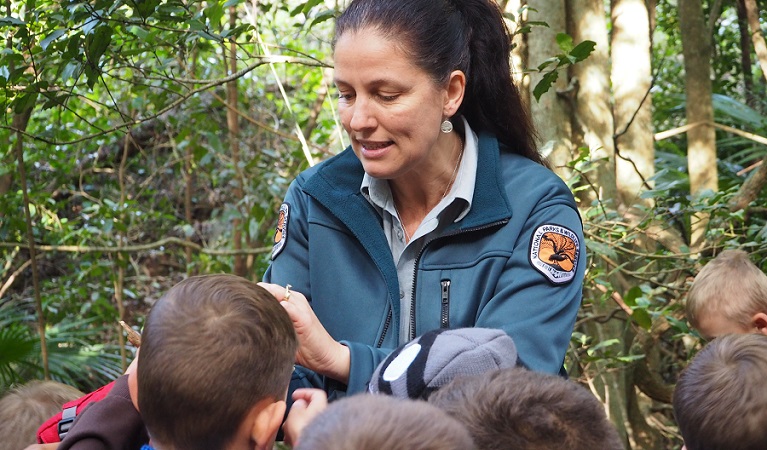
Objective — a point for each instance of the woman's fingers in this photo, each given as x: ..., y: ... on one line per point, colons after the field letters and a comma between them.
x: 296, y: 305
x: 275, y: 289
x: 317, y: 350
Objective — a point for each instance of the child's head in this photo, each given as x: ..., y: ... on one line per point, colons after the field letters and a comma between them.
x: 729, y: 295
x: 216, y: 356
x: 373, y: 422
x: 25, y: 408
x: 520, y: 409
x: 720, y: 400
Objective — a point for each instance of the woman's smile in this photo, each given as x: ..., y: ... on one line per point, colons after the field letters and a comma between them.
x: 375, y: 149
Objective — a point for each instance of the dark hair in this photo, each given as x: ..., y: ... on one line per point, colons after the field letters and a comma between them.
x: 373, y: 422
x: 720, y: 401
x: 446, y: 35
x: 211, y: 349
x: 520, y: 409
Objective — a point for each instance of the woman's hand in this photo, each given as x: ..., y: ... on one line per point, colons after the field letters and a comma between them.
x: 317, y: 350
x: 307, y: 404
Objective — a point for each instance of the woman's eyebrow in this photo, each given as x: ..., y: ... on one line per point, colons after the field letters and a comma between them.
x: 376, y: 83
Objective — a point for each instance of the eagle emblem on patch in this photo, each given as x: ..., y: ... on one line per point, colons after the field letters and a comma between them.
x: 281, y: 230
x: 554, y: 252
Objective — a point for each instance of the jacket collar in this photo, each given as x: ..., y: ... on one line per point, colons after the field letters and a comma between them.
x: 336, y: 186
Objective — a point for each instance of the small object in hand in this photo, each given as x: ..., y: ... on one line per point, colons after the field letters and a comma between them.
x: 286, y: 297
x: 133, y: 336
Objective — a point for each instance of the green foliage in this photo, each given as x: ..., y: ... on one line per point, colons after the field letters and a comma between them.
x: 139, y: 88
x: 570, y: 55
x: 72, y: 359
x: 92, y: 72
x: 648, y: 246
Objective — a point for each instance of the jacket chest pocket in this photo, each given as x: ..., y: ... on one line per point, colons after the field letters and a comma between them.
x: 453, y: 297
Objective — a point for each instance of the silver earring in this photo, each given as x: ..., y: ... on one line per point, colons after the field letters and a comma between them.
x: 447, y: 126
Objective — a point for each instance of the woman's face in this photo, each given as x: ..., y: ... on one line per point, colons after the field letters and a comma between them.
x: 391, y: 109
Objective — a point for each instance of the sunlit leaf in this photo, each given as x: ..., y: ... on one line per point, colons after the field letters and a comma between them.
x: 51, y: 37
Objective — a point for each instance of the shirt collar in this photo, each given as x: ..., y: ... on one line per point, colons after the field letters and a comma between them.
x: 378, y: 193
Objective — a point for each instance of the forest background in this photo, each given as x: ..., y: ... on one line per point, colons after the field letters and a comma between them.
x: 144, y: 141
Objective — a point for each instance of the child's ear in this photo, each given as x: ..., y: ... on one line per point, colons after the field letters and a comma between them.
x: 267, y: 423
x: 759, y: 321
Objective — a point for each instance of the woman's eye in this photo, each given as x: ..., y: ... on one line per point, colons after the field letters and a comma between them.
x: 345, y: 96
x: 388, y: 98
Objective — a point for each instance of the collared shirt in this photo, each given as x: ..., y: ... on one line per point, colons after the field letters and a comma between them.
x: 452, y: 208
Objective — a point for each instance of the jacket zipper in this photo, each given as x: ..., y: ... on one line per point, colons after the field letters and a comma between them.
x: 445, y: 317
x: 385, y: 329
x: 418, y: 259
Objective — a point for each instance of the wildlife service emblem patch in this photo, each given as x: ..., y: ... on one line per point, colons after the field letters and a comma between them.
x: 281, y: 230
x: 554, y: 252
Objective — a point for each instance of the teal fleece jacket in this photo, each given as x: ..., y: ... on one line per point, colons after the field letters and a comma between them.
x: 515, y: 262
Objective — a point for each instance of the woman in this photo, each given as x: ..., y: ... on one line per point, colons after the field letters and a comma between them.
x: 440, y: 214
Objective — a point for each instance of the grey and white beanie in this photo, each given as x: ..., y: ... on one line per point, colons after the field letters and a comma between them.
x: 430, y: 361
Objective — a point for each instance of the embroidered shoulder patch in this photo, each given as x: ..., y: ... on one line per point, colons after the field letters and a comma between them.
x: 281, y: 230
x: 554, y: 252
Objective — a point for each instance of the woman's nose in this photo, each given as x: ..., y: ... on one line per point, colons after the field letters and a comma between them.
x: 362, y: 115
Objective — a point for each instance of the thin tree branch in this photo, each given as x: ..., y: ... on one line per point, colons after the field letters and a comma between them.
x: 685, y: 128
x: 13, y: 276
x: 714, y: 15
x: 140, y: 248
x: 127, y: 124
x: 299, y: 132
x: 20, y: 122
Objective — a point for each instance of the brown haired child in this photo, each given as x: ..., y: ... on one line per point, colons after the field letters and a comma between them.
x: 520, y: 409
x: 216, y: 358
x: 373, y: 422
x: 720, y: 400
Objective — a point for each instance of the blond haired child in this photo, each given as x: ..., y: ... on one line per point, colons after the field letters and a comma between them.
x: 729, y: 295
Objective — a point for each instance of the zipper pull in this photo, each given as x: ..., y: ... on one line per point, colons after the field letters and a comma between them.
x: 445, y: 316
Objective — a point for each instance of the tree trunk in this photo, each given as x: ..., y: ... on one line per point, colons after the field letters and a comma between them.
x: 232, y: 121
x: 652, y: 15
x: 20, y: 122
x: 6, y: 180
x: 631, y: 80
x: 745, y: 55
x: 752, y: 14
x: 750, y: 190
x: 551, y: 112
x: 634, y: 158
x: 609, y: 384
x: 519, y: 51
x: 119, y: 282
x: 593, y: 125
x: 701, y: 141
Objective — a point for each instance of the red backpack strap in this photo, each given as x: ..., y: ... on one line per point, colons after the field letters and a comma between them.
x: 55, y: 428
